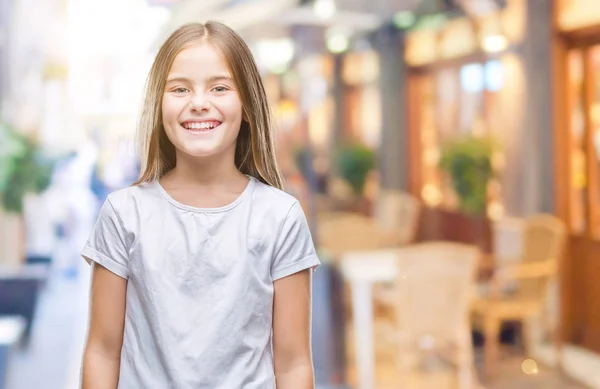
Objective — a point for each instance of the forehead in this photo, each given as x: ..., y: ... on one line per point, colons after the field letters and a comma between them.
x: 200, y: 58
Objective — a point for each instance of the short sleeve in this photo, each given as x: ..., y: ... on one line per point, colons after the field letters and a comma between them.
x: 294, y: 250
x: 107, y: 244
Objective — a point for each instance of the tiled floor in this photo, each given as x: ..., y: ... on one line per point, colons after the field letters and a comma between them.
x: 510, y: 375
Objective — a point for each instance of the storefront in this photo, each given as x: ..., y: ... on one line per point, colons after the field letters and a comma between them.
x: 466, y: 77
x: 577, y: 155
x: 361, y: 98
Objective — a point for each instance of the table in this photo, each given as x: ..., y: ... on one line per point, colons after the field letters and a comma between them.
x: 362, y: 270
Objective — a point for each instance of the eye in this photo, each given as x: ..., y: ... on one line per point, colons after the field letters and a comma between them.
x: 180, y: 90
x: 219, y: 89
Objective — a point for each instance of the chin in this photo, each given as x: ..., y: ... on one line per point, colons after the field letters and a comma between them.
x: 200, y: 152
x: 201, y: 149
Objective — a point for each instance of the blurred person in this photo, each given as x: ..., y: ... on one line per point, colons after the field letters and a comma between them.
x: 201, y: 270
x: 40, y: 226
x: 73, y: 205
x: 120, y: 169
x: 117, y: 170
x: 98, y: 186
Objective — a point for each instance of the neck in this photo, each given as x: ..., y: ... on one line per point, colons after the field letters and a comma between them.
x: 210, y: 171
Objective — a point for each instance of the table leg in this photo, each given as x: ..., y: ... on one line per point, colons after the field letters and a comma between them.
x: 363, y: 334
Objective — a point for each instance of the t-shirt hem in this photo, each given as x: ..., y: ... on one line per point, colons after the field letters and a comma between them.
x: 310, y: 261
x: 90, y: 254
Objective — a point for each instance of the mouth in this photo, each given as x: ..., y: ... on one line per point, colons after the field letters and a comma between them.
x: 200, y: 127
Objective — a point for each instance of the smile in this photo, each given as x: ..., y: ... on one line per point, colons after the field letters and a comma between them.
x: 201, y: 126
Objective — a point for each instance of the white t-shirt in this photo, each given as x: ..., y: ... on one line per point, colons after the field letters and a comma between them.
x: 200, y: 283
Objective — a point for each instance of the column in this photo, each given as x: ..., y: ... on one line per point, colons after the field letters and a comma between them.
x: 536, y: 146
x: 393, y: 153
x: 337, y: 92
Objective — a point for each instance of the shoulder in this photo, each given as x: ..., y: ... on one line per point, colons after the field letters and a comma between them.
x: 126, y: 199
x: 273, y: 201
x: 124, y: 207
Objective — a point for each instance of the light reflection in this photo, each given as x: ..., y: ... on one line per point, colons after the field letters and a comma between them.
x: 529, y: 367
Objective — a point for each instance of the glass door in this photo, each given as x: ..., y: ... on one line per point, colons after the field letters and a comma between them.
x: 584, y: 147
x: 593, y: 70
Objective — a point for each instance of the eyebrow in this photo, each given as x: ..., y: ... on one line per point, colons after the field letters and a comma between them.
x: 219, y: 78
x: 209, y: 79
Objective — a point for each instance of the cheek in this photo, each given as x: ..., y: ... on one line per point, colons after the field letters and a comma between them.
x: 166, y: 110
x: 171, y: 108
x: 234, y: 110
x: 228, y: 104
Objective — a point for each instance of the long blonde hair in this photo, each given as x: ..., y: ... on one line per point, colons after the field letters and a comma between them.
x: 254, y: 152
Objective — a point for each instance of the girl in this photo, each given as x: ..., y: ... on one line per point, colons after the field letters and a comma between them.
x: 202, y: 269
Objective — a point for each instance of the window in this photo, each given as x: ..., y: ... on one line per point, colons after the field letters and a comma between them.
x: 455, y: 101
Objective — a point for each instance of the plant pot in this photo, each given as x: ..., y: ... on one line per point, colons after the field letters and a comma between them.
x: 443, y: 224
x: 12, y: 239
x: 362, y: 206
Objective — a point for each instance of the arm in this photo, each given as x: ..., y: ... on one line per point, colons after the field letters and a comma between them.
x: 521, y: 271
x: 291, y: 331
x: 101, y: 359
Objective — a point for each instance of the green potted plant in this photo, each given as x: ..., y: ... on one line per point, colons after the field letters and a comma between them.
x: 354, y: 162
x: 24, y: 169
x: 468, y: 163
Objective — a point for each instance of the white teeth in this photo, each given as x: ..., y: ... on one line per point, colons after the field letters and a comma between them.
x: 200, y: 126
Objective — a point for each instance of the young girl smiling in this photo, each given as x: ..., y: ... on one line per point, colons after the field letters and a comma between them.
x: 202, y: 269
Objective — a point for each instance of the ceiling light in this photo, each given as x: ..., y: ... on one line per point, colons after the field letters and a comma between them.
x: 495, y: 43
x: 275, y: 55
x: 324, y: 9
x: 337, y: 43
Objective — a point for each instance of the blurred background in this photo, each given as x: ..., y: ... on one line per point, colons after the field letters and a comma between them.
x: 446, y: 153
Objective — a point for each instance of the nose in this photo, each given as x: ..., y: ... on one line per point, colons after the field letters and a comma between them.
x: 199, y: 102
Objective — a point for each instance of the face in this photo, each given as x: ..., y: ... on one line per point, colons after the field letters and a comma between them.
x: 201, y: 109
